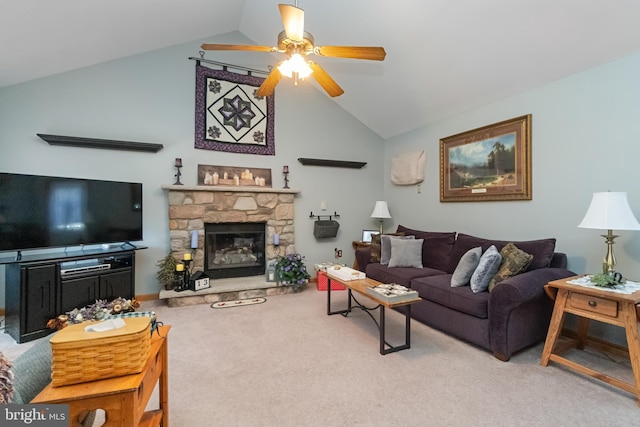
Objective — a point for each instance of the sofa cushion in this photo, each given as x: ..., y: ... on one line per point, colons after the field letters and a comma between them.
x: 436, y: 248
x: 487, y: 268
x: 514, y: 261
x: 385, y: 247
x: 32, y: 371
x: 467, y: 265
x: 438, y: 289
x: 406, y: 253
x: 399, y: 275
x: 542, y: 250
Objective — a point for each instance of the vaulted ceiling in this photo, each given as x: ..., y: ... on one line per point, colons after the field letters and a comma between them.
x: 443, y: 57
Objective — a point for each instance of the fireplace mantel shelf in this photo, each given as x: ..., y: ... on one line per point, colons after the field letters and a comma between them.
x: 229, y: 189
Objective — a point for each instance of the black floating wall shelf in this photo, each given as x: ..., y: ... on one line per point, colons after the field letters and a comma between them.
x: 334, y: 163
x: 109, y: 144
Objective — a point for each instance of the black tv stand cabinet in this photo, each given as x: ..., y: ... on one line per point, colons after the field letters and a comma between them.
x: 40, y: 287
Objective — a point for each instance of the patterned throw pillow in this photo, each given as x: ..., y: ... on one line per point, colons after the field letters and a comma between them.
x: 467, y: 265
x: 514, y: 261
x: 376, y: 250
x: 6, y: 380
x: 487, y: 268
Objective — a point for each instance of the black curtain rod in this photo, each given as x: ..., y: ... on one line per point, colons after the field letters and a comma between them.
x: 222, y: 64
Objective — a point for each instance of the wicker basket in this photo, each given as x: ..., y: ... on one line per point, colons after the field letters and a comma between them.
x: 79, y: 356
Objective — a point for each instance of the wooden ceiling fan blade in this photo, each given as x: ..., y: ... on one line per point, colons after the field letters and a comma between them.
x: 324, y: 79
x: 293, y: 22
x: 267, y: 87
x: 213, y: 46
x: 354, y: 52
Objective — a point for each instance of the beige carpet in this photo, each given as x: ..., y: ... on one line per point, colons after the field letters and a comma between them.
x: 286, y: 363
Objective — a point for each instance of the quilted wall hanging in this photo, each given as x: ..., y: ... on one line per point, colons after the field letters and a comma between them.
x: 229, y: 116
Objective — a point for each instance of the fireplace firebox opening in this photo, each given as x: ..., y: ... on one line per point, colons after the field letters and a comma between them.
x: 234, y: 249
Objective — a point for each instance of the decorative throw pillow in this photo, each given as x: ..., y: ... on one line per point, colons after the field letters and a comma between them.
x: 514, y: 261
x: 376, y: 246
x: 6, y: 380
x: 406, y: 253
x: 487, y: 268
x: 542, y: 250
x: 466, y: 266
x: 385, y: 247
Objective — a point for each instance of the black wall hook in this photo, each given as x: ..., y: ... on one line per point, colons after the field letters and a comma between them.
x: 335, y: 215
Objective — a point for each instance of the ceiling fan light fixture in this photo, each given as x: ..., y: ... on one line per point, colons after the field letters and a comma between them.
x: 295, y: 64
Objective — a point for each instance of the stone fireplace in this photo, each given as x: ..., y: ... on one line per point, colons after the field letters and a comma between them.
x: 198, y: 207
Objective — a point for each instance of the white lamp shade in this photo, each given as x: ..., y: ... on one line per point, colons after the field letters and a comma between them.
x: 380, y: 210
x: 610, y: 211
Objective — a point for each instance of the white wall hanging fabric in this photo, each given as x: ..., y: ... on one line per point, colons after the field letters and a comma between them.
x: 408, y: 168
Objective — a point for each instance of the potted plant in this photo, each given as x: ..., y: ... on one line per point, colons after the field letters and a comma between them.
x: 166, y: 273
x: 291, y: 271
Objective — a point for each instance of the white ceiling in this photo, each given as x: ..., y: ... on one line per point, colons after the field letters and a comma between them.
x: 443, y: 57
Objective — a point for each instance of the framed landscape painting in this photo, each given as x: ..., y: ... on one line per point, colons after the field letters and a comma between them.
x: 487, y: 164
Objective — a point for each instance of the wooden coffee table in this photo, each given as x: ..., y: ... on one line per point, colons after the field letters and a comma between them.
x: 360, y: 286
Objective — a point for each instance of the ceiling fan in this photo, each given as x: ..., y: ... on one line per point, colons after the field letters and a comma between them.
x: 298, y: 44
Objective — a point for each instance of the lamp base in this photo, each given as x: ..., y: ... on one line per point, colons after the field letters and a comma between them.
x: 609, y: 262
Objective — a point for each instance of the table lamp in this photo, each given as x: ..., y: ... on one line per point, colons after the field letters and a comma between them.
x: 610, y: 211
x: 381, y: 211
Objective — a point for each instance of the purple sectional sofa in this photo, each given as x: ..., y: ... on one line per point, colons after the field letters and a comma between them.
x: 513, y: 316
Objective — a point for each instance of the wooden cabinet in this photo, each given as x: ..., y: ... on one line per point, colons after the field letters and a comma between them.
x: 38, y: 290
x: 30, y: 300
x: 76, y: 291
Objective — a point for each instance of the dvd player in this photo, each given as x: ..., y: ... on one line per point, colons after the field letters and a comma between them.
x: 83, y: 269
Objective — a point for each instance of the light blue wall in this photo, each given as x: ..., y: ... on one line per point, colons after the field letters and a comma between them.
x: 586, y: 138
x: 150, y: 98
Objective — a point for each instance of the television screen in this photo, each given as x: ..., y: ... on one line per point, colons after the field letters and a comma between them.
x: 45, y: 211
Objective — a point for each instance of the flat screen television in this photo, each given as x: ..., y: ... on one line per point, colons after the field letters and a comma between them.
x: 49, y: 212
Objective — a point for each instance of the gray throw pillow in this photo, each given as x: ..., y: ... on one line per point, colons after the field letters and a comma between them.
x: 406, y: 253
x: 385, y: 247
x: 466, y: 266
x: 487, y: 268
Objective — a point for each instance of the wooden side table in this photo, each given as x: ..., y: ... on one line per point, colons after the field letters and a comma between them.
x: 125, y: 398
x: 593, y: 304
x: 356, y: 245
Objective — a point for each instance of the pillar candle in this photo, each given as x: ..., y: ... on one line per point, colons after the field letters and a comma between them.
x: 285, y: 169
x: 187, y: 257
x: 178, y: 162
x: 180, y: 267
x: 276, y: 239
x: 194, y: 239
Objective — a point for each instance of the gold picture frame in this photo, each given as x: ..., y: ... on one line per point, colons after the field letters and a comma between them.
x: 491, y: 163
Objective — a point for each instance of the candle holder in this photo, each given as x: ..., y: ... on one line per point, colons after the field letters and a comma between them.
x: 178, y: 165
x: 180, y: 284
x: 285, y: 172
x: 182, y: 275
